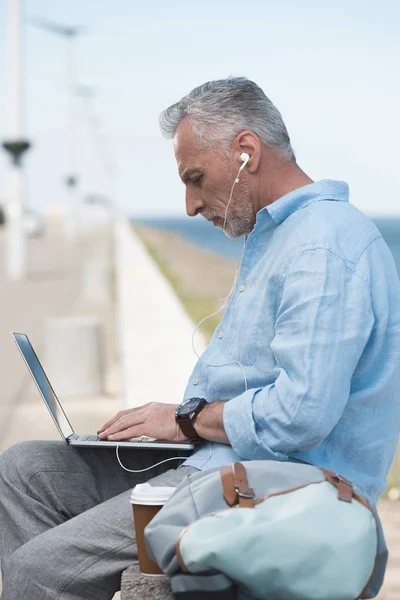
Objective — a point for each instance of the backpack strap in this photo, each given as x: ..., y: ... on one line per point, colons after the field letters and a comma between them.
x: 235, y: 487
x: 343, y: 485
x: 246, y: 494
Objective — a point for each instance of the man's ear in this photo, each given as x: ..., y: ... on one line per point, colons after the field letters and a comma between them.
x: 248, y: 142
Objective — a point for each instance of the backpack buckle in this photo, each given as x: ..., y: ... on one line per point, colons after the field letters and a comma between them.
x: 245, y: 493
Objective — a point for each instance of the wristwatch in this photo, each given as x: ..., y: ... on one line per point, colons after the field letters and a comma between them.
x: 186, y: 414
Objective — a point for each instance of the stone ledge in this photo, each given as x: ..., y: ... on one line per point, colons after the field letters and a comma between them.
x: 136, y: 586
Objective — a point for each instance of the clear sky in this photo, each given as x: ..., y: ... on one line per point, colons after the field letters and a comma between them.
x: 331, y: 67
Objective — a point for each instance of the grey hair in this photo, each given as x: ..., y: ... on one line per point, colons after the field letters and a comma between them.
x: 219, y: 110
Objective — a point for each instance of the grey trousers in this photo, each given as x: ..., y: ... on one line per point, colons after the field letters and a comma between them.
x: 66, y: 525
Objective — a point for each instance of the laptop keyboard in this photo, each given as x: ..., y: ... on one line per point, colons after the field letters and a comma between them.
x: 86, y: 438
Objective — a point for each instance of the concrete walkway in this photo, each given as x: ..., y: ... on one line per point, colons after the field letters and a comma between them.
x: 52, y: 288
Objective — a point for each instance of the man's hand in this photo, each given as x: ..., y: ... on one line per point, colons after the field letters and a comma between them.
x: 154, y: 420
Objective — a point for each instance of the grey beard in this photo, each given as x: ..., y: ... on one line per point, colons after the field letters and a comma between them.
x: 240, y: 217
x: 237, y: 227
x: 241, y: 224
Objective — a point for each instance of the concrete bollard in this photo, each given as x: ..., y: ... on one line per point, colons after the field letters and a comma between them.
x: 74, y: 356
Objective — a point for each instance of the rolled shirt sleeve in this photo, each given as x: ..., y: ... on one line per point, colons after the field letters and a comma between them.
x: 322, y: 325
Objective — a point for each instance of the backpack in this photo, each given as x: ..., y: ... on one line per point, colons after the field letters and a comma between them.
x: 276, y: 530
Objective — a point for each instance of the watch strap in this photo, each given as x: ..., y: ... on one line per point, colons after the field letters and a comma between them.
x: 187, y: 428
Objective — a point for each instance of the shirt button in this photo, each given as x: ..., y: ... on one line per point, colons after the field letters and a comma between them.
x: 195, y: 381
x: 220, y: 334
x: 241, y: 287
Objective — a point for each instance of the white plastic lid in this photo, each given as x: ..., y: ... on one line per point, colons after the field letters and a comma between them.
x: 144, y: 493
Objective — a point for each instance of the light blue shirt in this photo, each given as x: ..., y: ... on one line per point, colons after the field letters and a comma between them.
x: 314, y: 322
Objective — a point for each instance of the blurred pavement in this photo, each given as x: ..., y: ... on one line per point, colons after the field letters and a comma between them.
x: 52, y: 288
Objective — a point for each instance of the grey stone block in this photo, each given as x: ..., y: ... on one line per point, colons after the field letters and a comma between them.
x: 136, y: 586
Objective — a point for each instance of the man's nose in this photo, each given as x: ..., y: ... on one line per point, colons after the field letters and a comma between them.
x: 194, y: 204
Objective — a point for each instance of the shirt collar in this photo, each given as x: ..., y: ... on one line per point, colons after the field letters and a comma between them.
x: 327, y: 189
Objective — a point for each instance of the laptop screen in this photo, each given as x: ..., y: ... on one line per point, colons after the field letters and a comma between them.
x: 43, y: 384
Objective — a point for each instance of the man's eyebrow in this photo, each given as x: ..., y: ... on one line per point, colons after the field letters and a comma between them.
x: 186, y: 173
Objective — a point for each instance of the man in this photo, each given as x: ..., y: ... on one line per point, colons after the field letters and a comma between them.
x: 304, y: 366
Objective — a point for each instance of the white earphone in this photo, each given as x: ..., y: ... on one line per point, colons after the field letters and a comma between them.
x: 244, y: 157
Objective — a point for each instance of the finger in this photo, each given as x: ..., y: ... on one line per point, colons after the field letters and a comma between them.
x: 127, y: 434
x: 117, y: 417
x: 123, y: 423
x: 111, y: 421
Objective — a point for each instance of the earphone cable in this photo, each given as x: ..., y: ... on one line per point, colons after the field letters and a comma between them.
x: 159, y: 463
x: 228, y: 297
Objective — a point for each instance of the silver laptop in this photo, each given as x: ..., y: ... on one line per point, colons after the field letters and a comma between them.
x: 60, y: 418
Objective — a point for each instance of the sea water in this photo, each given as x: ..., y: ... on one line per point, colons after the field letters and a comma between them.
x: 204, y: 234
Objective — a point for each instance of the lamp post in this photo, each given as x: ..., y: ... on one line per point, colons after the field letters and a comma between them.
x: 70, y: 34
x: 16, y: 146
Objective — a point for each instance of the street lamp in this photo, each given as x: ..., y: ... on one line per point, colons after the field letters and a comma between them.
x: 16, y: 146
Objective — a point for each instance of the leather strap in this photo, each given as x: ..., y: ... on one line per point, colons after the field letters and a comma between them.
x: 228, y: 485
x: 187, y: 428
x: 235, y: 486
x: 246, y: 494
x: 345, y: 492
x: 343, y: 486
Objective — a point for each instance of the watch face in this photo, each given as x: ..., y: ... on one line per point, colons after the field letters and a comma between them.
x: 188, y: 407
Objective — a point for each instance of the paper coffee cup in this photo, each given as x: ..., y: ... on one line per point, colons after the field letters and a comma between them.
x: 146, y: 501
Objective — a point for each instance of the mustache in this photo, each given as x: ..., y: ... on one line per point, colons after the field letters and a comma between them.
x: 210, y: 216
